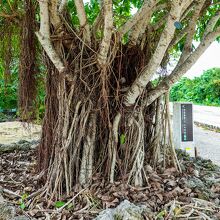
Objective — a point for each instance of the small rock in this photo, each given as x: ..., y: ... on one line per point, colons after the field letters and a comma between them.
x: 196, y: 173
x: 107, y: 214
x: 28, y: 189
x: 7, y: 212
x: 217, y: 201
x: 149, y: 169
x: 195, y: 182
x: 203, y: 195
x: 34, y: 146
x: 124, y: 211
x: 22, y: 142
x: 35, y: 142
x: 22, y: 217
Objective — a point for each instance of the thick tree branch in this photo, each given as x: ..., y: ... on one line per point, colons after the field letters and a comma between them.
x: 143, y: 23
x: 178, y: 37
x: 191, y: 31
x: 145, y: 9
x: 44, y: 36
x: 166, y: 37
x: 179, y: 71
x: 83, y: 20
x: 156, y: 26
x: 62, y: 5
x: 186, y: 5
x: 137, y: 29
x: 108, y: 26
x: 211, y: 24
x: 54, y: 16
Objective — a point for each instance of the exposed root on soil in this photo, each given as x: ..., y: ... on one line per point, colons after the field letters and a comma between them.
x: 74, y: 162
x: 197, y: 209
x: 167, y: 195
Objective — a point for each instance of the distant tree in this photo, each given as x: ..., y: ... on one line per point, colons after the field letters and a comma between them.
x: 201, y: 90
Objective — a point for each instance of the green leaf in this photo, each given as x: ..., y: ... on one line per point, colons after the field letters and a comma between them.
x: 59, y: 204
x: 122, y: 139
x: 24, y: 196
x: 22, y: 206
x: 161, y: 214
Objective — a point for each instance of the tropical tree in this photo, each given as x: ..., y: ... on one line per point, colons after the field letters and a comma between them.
x: 104, y: 117
x: 18, y: 51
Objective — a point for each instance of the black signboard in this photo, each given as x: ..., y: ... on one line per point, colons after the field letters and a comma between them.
x: 186, y: 122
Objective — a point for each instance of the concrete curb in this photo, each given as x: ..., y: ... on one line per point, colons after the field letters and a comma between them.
x: 207, y: 126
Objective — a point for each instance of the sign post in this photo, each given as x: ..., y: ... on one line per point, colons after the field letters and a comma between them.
x: 183, y: 127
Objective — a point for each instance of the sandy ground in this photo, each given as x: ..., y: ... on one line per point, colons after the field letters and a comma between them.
x: 11, y: 132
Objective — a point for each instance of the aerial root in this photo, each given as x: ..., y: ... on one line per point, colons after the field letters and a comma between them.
x: 88, y: 152
x: 138, y: 151
x: 171, y: 144
x: 63, y: 172
x: 113, y: 142
x: 161, y: 147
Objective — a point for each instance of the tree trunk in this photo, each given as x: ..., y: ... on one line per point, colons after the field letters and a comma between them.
x: 88, y: 132
x: 104, y: 118
x: 28, y: 68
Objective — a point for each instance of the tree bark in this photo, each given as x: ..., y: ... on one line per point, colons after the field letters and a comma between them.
x: 27, y: 67
x: 102, y: 112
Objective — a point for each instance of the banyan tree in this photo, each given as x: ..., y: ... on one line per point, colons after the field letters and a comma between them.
x: 110, y: 65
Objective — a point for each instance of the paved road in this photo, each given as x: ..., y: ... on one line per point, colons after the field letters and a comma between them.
x: 208, y: 144
x: 207, y: 114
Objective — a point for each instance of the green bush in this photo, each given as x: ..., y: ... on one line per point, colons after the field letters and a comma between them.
x: 203, y: 90
x: 8, y: 92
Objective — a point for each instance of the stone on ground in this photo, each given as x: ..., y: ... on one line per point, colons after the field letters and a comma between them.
x: 7, y: 212
x: 124, y: 211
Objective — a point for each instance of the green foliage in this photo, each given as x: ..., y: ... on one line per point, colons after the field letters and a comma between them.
x: 59, y: 204
x: 203, y: 21
x: 161, y: 214
x: 8, y: 92
x: 122, y: 139
x: 23, y: 200
x: 201, y: 90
